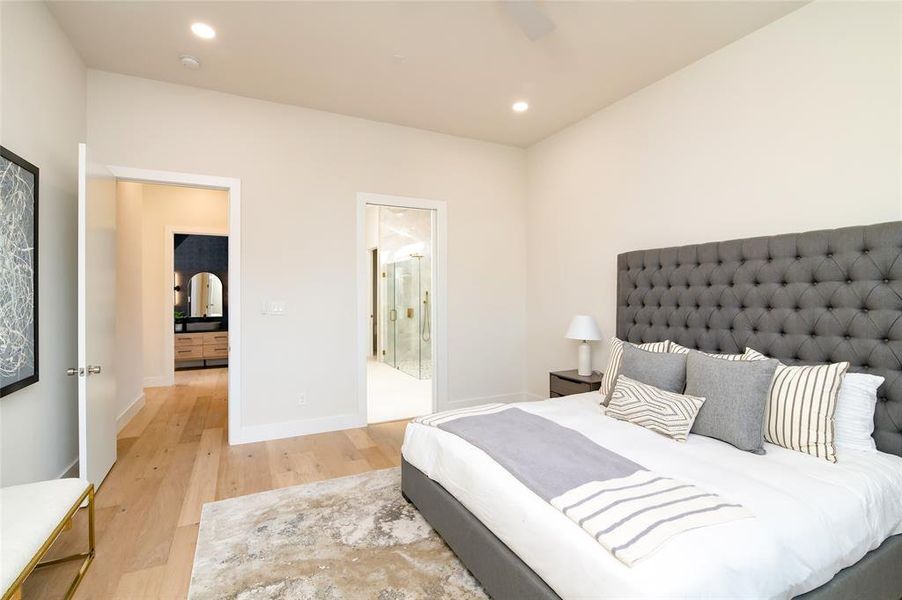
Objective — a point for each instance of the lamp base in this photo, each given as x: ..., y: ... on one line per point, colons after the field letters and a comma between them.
x: 585, y: 359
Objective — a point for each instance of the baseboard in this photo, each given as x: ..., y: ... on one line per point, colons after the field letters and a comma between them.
x: 159, y: 381
x: 276, y: 431
x: 504, y: 398
x: 130, y: 411
x: 530, y: 397
x: 70, y: 471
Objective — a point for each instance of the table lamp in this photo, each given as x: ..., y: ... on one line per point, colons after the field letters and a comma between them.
x: 584, y: 327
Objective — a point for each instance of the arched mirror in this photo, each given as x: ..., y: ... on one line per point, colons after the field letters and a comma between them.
x: 205, y: 296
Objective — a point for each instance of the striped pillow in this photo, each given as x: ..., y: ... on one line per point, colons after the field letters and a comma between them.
x: 615, y: 355
x: 677, y: 349
x: 751, y: 354
x: 801, y: 406
x: 667, y: 413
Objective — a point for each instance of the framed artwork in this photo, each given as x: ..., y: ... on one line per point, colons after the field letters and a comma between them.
x: 19, y: 181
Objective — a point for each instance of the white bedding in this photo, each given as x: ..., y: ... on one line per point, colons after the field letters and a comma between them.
x: 812, y: 517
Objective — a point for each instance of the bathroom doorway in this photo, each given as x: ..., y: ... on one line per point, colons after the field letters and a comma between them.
x: 400, y: 254
x: 199, y: 260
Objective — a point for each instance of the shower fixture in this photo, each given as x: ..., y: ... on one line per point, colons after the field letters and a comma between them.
x: 426, y: 326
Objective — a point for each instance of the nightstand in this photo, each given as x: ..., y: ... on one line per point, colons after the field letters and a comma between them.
x: 564, y: 383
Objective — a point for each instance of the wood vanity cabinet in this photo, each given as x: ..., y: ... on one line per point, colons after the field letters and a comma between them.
x: 201, y: 345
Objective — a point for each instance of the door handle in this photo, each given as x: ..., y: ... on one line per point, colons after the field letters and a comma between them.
x: 72, y: 372
x: 94, y: 369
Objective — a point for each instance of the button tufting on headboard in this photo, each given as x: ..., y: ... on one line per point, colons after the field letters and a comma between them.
x: 820, y: 296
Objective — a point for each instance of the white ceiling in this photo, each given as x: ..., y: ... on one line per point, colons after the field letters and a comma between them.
x: 454, y: 67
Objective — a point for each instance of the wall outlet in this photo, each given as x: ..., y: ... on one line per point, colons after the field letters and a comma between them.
x: 302, y: 400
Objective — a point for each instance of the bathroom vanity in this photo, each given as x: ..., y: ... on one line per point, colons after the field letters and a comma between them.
x: 201, y: 324
x: 202, y: 346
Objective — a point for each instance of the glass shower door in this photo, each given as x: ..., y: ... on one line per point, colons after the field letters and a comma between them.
x: 407, y: 330
x: 407, y: 347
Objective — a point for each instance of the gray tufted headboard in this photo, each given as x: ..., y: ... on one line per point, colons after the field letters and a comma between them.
x: 821, y: 296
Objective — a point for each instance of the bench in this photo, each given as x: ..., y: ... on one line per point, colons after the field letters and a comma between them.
x: 32, y: 516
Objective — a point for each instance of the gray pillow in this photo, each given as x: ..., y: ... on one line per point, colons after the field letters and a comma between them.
x: 735, y: 394
x: 661, y: 369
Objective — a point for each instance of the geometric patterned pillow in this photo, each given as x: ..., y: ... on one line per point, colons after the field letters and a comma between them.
x: 801, y: 407
x: 615, y: 355
x: 667, y: 413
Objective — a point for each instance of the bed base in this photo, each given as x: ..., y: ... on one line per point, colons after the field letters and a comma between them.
x: 877, y: 576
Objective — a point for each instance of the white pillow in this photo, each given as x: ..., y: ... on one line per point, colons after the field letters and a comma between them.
x: 855, y: 412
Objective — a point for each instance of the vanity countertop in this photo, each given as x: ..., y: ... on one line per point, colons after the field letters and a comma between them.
x: 201, y: 324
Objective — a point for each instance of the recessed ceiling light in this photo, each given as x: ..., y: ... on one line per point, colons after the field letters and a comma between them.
x: 189, y: 62
x: 203, y: 31
x: 520, y: 106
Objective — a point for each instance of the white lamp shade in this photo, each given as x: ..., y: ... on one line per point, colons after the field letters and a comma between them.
x: 583, y: 327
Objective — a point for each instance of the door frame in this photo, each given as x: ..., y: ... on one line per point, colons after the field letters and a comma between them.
x: 231, y: 185
x: 439, y: 294
x: 374, y: 298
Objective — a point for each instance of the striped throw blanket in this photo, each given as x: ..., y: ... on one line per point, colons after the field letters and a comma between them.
x: 628, y: 509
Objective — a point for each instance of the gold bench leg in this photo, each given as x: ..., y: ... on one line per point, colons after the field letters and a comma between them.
x: 90, y: 554
x: 15, y: 592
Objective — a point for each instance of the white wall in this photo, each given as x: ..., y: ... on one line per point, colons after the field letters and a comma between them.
x: 129, y: 300
x: 300, y: 171
x: 184, y: 210
x: 794, y: 127
x: 42, y: 120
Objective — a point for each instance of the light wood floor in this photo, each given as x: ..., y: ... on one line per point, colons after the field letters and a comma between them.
x: 173, y: 457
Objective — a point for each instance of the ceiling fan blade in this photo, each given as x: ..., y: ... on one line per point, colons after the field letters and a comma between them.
x: 528, y: 14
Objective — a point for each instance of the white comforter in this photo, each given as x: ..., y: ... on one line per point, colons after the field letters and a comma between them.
x: 812, y: 517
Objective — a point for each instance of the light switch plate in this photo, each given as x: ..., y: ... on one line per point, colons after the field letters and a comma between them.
x: 273, y: 308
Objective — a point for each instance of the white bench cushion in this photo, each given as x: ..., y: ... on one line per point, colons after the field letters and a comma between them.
x: 28, y: 515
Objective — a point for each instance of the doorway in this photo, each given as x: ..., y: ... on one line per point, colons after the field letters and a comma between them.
x: 227, y: 235
x: 105, y: 406
x: 199, y: 267
x: 399, y: 247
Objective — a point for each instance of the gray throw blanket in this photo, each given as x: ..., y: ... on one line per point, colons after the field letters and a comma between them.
x: 630, y: 510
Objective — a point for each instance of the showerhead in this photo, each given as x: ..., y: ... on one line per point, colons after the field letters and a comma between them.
x: 416, y: 255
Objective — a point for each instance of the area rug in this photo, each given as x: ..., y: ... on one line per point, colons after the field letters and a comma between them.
x: 341, y: 539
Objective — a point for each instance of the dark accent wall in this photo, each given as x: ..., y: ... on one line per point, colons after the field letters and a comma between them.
x: 202, y: 253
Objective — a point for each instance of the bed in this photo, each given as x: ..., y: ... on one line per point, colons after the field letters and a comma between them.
x: 821, y: 530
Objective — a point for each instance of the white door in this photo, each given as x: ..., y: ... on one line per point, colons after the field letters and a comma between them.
x: 96, y: 319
